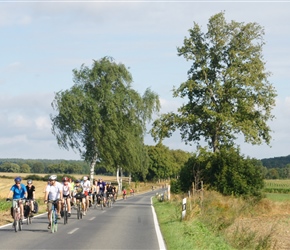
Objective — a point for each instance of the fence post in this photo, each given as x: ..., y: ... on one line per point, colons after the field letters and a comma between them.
x: 168, y: 192
x: 183, y: 213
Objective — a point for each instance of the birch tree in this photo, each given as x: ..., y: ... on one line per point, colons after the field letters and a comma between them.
x: 102, y: 117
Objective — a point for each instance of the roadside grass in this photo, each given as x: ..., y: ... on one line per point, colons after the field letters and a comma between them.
x: 214, y: 221
x: 188, y: 234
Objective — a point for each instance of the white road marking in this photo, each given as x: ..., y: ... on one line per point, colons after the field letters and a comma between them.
x: 157, y: 228
x: 92, y: 218
x: 71, y: 232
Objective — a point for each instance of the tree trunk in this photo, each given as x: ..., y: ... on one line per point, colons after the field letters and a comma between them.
x: 119, y: 180
x: 92, y: 168
x: 129, y: 179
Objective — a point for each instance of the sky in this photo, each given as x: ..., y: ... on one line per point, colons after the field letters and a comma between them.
x: 41, y: 42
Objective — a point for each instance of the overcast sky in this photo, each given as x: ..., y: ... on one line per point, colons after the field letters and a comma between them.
x: 41, y: 42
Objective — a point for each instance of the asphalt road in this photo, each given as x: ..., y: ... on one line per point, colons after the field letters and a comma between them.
x: 129, y: 224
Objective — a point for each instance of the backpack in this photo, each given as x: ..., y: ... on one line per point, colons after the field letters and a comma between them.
x: 35, y: 207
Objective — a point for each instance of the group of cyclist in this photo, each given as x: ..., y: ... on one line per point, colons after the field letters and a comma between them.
x: 65, y: 191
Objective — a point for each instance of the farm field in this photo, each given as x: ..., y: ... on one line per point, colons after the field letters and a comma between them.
x: 283, y: 184
x: 277, y: 190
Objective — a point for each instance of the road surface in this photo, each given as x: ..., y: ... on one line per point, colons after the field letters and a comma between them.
x: 129, y: 224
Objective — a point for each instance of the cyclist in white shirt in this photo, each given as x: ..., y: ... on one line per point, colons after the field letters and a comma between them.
x: 53, y: 192
x: 67, y: 193
x: 86, y: 184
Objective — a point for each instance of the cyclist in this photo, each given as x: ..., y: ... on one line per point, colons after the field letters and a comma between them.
x: 87, y: 188
x: 101, y: 189
x: 53, y: 192
x: 115, y: 193
x: 30, y: 195
x: 124, y: 194
x: 110, y: 190
x: 94, y: 190
x: 19, y: 192
x: 67, y: 193
x: 78, y: 194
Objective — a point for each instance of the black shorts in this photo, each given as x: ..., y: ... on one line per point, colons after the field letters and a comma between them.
x: 80, y: 196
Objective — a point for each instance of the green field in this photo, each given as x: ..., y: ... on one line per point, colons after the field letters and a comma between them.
x: 277, y: 190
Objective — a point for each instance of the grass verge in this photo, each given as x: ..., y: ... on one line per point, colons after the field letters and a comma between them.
x: 192, y: 234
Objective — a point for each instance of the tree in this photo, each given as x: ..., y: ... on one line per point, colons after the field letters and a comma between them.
x: 227, y: 87
x: 25, y: 168
x: 37, y: 167
x: 10, y: 167
x: 161, y: 162
x: 102, y: 117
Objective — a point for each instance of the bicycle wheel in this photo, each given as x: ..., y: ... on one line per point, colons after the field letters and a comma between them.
x: 15, y: 224
x: 65, y: 216
x: 52, y: 221
x: 78, y: 211
x: 20, y: 224
x: 81, y: 210
x: 55, y: 219
x: 29, y: 219
x: 95, y: 201
x: 102, y: 204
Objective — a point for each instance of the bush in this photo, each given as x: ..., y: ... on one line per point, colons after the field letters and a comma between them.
x: 226, y: 172
x: 175, y: 186
x: 33, y: 177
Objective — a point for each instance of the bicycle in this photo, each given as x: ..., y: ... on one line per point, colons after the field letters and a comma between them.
x: 17, y: 221
x: 53, y: 215
x: 110, y: 200
x: 101, y: 198
x: 64, y: 211
x: 29, y: 214
x: 80, y: 208
x: 94, y: 200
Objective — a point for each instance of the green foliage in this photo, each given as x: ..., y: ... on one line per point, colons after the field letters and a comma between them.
x: 25, y: 168
x: 230, y: 173
x: 225, y: 171
x: 45, y: 166
x: 36, y: 177
x: 175, y: 186
x: 103, y: 118
x: 227, y: 87
x: 276, y: 162
x: 9, y: 167
x: 164, y: 163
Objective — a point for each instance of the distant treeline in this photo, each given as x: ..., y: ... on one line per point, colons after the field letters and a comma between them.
x: 277, y: 167
x: 274, y: 168
x: 276, y: 162
x: 46, y: 166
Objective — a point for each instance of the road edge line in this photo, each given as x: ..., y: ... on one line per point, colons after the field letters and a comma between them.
x: 157, y: 229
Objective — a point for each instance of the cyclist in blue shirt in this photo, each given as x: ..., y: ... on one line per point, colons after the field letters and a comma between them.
x: 101, y: 189
x: 19, y: 192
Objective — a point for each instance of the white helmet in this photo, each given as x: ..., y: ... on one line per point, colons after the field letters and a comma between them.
x: 85, y: 178
x: 52, y: 178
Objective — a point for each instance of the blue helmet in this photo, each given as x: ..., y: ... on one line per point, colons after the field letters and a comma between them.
x: 18, y: 179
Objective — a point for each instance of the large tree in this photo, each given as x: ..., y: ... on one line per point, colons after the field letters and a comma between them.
x: 227, y: 88
x: 102, y: 117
